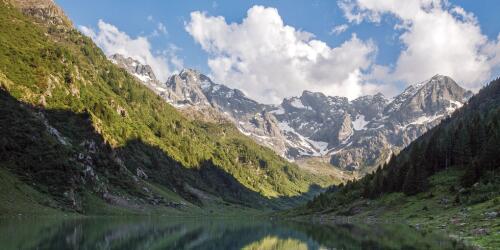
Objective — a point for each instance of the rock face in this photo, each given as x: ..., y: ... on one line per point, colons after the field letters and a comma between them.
x: 185, y: 88
x: 356, y: 135
x: 139, y: 70
x: 44, y: 10
x: 391, y: 127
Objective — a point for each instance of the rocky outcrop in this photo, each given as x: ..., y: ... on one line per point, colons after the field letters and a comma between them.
x: 345, y: 129
x: 143, y: 72
x: 432, y: 97
x: 185, y: 88
x: 43, y: 10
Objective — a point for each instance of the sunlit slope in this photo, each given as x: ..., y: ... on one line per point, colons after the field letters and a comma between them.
x: 94, y: 106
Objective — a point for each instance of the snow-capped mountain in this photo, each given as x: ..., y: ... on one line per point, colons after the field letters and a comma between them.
x: 419, y: 108
x: 351, y: 135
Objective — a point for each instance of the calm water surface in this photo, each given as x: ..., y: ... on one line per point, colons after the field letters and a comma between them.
x: 162, y: 233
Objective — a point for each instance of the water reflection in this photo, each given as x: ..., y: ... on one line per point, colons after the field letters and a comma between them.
x: 161, y: 233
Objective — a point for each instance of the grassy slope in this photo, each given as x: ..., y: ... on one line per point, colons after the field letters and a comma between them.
x: 62, y: 70
x: 21, y: 199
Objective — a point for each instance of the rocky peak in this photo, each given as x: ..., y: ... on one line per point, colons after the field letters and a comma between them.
x: 136, y: 68
x: 434, y: 97
x: 43, y: 10
x: 186, y: 88
x: 370, y: 106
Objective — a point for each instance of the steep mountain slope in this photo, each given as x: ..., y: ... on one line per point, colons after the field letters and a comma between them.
x: 448, y: 177
x: 87, y: 132
x: 352, y: 135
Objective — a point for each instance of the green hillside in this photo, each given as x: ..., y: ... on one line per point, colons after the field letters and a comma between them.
x: 448, y: 179
x: 83, y: 134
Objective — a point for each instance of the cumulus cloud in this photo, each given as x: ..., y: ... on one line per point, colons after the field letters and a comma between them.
x: 339, y: 29
x: 438, y: 38
x: 269, y: 60
x: 112, y: 41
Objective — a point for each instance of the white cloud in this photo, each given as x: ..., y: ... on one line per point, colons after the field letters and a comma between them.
x: 112, y: 41
x: 161, y: 28
x: 269, y: 60
x: 339, y: 29
x: 437, y: 37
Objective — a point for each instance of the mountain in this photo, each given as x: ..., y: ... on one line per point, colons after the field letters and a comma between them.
x: 80, y: 134
x: 405, y: 118
x: 352, y: 135
x: 447, y: 178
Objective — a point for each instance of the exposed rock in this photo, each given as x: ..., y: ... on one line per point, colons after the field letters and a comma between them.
x: 345, y: 130
x: 139, y: 70
x: 491, y: 215
x: 480, y: 231
x: 121, y: 111
x: 185, y: 88
x: 44, y: 10
x: 141, y: 174
x: 51, y: 130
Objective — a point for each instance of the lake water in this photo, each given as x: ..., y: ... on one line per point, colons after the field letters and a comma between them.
x: 165, y: 233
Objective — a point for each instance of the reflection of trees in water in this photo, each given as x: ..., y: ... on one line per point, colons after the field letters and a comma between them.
x: 156, y: 233
x: 375, y: 236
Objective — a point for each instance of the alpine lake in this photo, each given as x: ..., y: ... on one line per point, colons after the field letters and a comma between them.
x: 203, y: 233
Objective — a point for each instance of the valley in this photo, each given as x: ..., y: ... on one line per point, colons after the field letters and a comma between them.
x: 98, y: 152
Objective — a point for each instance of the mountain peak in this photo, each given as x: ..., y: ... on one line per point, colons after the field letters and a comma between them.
x: 142, y: 71
x: 307, y: 93
x: 44, y: 10
x: 440, y: 77
x: 187, y: 71
x: 435, y: 97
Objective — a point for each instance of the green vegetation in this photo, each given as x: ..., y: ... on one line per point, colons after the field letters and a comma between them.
x: 20, y: 199
x: 74, y: 124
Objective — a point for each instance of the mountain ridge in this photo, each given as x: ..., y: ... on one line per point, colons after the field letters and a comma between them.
x: 356, y: 135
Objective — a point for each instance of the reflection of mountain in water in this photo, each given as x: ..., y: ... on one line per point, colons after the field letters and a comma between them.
x: 154, y: 233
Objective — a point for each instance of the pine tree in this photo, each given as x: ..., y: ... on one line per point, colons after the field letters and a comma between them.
x: 415, y: 181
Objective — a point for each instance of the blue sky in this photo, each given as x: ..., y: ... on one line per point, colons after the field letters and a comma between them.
x: 142, y: 19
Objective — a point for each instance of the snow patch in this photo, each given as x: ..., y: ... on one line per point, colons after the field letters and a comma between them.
x: 161, y: 89
x: 215, y: 88
x: 297, y: 103
x: 143, y: 78
x: 454, y: 105
x: 205, y: 84
x: 318, y: 148
x: 230, y: 94
x: 360, y: 123
x: 424, y: 120
x: 279, y: 111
